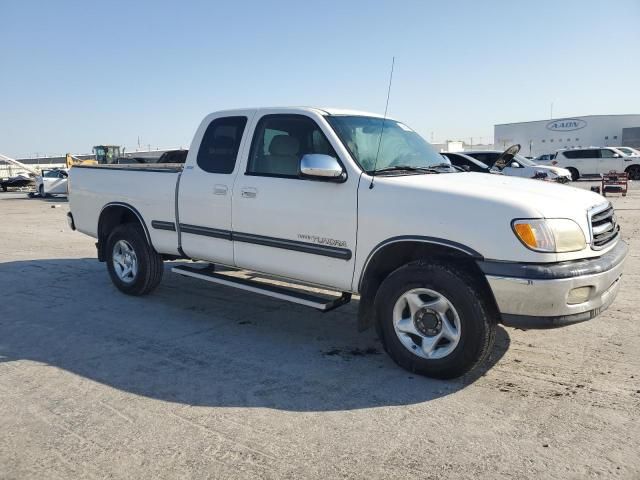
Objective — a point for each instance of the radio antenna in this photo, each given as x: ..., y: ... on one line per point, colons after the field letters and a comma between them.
x: 384, y: 119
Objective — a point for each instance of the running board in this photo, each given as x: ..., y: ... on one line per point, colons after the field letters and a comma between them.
x: 322, y: 303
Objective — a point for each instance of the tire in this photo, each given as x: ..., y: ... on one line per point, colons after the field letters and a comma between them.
x: 41, y: 192
x: 147, y: 274
x: 634, y: 172
x: 575, y: 175
x: 476, y: 324
x: 4, y: 188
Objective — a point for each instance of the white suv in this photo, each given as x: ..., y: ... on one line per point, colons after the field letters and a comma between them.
x: 583, y: 162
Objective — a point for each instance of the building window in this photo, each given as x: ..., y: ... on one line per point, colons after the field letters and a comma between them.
x: 543, y: 141
x: 577, y: 139
x: 615, y: 137
x: 551, y: 140
x: 606, y: 138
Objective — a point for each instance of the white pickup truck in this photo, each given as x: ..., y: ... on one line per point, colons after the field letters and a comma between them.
x: 320, y: 197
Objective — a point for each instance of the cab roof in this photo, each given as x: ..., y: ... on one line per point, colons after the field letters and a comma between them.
x: 318, y: 110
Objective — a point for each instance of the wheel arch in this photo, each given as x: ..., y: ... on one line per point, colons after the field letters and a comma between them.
x: 574, y: 169
x: 633, y: 166
x: 112, y: 215
x: 396, y: 252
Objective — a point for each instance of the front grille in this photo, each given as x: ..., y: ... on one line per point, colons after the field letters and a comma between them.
x: 604, y: 228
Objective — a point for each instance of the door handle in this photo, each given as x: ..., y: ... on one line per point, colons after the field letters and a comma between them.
x: 248, y: 192
x: 220, y: 189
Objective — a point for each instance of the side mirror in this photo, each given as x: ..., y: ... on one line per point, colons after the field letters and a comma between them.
x: 321, y: 167
x: 616, y: 155
x: 515, y: 165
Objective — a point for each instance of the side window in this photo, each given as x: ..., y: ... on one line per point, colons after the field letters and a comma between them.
x: 280, y: 141
x: 604, y: 153
x: 220, y: 144
x: 591, y: 154
x: 572, y: 154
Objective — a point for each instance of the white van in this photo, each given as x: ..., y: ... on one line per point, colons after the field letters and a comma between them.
x: 584, y: 162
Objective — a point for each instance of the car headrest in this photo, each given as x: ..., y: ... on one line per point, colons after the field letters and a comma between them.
x: 284, y: 145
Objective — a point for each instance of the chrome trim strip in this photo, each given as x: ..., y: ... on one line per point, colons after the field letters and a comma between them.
x: 205, y: 231
x: 285, y: 244
x: 160, y: 225
x: 305, y: 247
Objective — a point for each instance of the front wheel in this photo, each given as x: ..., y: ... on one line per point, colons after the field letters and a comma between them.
x: 434, y: 320
x: 134, y: 266
x: 575, y: 175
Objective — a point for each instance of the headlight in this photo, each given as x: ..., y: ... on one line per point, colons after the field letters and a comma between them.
x: 554, y: 235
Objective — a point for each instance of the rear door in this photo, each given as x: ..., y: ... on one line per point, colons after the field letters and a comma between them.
x: 206, y: 186
x: 289, y: 226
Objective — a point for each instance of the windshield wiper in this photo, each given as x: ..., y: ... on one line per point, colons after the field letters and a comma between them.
x: 442, y: 165
x: 437, y: 168
x: 406, y: 168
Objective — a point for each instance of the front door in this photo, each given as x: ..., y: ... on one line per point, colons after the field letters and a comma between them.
x: 610, y: 161
x: 55, y: 182
x: 206, y: 185
x: 288, y: 226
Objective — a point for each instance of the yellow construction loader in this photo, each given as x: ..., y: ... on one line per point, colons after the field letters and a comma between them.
x: 104, y: 154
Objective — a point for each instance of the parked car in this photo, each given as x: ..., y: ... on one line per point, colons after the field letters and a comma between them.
x: 19, y: 180
x: 438, y: 256
x: 585, y: 162
x: 467, y: 163
x: 512, y: 164
x: 547, y: 157
x: 53, y: 181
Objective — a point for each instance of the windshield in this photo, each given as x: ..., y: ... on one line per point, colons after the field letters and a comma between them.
x: 399, y: 147
x: 524, y: 161
x: 626, y: 151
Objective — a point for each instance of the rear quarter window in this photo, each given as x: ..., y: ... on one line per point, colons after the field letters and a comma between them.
x: 220, y: 144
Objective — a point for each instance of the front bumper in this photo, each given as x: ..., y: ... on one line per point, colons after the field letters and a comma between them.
x: 536, y: 295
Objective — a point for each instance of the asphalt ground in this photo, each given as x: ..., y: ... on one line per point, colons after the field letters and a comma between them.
x: 202, y: 381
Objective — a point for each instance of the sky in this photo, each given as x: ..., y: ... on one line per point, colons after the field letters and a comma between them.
x: 74, y: 74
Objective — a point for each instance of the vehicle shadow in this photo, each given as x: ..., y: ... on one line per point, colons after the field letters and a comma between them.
x: 200, y: 344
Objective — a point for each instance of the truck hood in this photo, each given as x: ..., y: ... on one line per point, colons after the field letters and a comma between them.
x: 547, y: 199
x: 472, y: 207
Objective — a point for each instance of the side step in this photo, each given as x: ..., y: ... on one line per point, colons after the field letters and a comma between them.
x: 319, y: 302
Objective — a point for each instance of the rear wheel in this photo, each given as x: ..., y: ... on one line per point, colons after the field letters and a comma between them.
x: 434, y: 320
x: 575, y: 175
x: 634, y: 172
x: 134, y: 266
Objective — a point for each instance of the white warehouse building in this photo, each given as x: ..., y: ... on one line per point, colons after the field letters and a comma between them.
x: 547, y: 136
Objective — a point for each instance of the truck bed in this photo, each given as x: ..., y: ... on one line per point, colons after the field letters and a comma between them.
x: 147, y: 189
